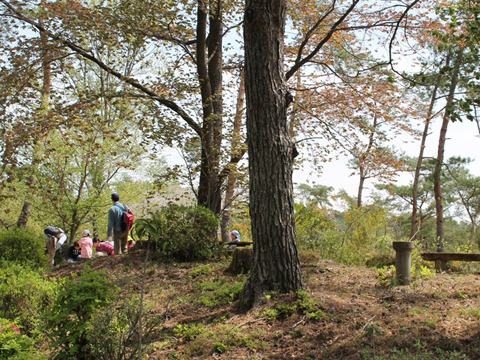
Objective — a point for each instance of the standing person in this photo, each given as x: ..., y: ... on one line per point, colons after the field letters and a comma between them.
x: 102, y: 248
x: 86, y: 244
x: 115, y: 220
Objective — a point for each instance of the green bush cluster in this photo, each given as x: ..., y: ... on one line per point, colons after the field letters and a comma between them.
x: 113, y: 333
x: 348, y: 239
x: 24, y: 294
x: 23, y: 246
x: 182, y: 233
x: 72, y: 312
x: 13, y: 344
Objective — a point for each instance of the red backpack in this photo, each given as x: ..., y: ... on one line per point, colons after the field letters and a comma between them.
x: 128, y: 217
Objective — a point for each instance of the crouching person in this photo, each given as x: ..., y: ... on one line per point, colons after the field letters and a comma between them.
x: 102, y: 248
x: 55, y: 239
x: 73, y: 253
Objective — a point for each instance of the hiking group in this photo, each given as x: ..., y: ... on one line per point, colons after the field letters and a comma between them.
x: 120, y: 220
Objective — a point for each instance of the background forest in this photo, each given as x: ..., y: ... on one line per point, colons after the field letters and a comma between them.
x: 93, y: 92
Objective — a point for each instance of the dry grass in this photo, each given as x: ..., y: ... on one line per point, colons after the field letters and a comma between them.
x: 435, y: 318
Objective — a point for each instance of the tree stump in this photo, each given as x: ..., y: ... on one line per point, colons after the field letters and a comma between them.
x: 242, y: 259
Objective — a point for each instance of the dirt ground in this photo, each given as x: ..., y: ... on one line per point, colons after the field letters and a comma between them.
x: 437, y: 317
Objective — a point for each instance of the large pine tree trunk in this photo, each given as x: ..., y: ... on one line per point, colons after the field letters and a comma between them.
x: 276, y: 265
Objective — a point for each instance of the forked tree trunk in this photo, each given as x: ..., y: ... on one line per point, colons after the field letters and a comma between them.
x: 276, y: 265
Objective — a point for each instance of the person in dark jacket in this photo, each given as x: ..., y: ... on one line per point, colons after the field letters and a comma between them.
x: 73, y: 253
x: 115, y: 220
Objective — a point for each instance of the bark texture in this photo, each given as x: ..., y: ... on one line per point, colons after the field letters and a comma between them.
x: 276, y: 265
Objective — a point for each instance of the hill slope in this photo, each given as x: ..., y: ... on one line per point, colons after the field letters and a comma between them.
x: 344, y: 313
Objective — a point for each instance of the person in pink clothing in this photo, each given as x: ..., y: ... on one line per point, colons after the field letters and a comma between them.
x: 86, y: 244
x: 102, y: 248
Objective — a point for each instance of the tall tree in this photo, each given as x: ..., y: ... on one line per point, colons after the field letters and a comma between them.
x: 271, y: 151
x: 164, y: 26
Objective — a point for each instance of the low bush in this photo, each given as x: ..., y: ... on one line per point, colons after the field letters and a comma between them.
x: 114, y: 333
x: 219, y: 292
x: 203, y: 341
x: 23, y: 246
x: 182, y: 233
x: 24, y: 295
x: 71, y: 313
x: 14, y: 345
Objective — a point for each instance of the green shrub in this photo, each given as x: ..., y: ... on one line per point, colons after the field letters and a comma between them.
x: 189, y: 332
x: 182, y: 233
x: 23, y: 246
x: 219, y: 292
x: 113, y: 334
x: 13, y: 344
x: 24, y: 295
x: 307, y: 306
x: 70, y: 315
x: 208, y: 341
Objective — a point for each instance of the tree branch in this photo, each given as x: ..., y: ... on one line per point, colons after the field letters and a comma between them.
x: 84, y: 53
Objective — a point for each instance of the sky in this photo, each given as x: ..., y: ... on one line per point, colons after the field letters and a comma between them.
x: 462, y: 140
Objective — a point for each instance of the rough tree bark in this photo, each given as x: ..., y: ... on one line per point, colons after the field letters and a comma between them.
x: 276, y: 265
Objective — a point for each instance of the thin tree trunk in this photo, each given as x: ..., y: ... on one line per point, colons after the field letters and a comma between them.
x: 360, y: 187
x: 276, y: 265
x: 232, y: 178
x: 209, y: 67
x: 362, y: 161
x: 439, y: 163
x: 415, y: 225
x: 45, y: 92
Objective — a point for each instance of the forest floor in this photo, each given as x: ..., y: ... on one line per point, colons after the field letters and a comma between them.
x: 346, y: 313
